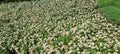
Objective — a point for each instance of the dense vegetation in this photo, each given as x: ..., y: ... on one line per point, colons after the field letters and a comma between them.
x: 56, y: 27
x: 110, y: 9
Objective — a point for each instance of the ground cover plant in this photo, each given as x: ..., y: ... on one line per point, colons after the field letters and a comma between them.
x: 110, y: 9
x: 56, y: 27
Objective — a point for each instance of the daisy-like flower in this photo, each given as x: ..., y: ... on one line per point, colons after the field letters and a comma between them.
x: 44, y: 46
x: 66, y: 53
x: 70, y: 51
x: 109, y: 53
x: 98, y: 53
x: 73, y: 29
x: 93, y: 47
x: 104, y: 47
x: 57, y: 51
x: 115, y: 33
x: 119, y: 30
x: 84, y: 52
x: 101, y: 44
x: 64, y: 46
x: 78, y: 52
x: 77, y: 49
x: 92, y: 43
x: 75, y: 45
x: 67, y: 33
x: 118, y: 44
x: 85, y: 44
x: 115, y: 53
x: 60, y: 43
x: 50, y: 50
x: 70, y: 42
x: 31, y: 50
x: 93, y: 38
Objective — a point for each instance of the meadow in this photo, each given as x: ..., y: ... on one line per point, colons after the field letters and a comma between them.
x: 57, y: 27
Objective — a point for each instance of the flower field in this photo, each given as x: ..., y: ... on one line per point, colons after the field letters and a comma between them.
x: 56, y: 27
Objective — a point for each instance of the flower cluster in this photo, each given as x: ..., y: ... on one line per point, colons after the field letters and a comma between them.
x: 56, y: 26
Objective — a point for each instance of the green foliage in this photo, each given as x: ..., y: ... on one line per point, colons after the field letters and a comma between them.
x: 104, y: 3
x: 110, y: 9
x: 65, y: 39
x: 118, y: 37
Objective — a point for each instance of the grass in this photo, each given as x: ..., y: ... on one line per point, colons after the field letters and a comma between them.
x: 56, y: 27
x: 110, y: 9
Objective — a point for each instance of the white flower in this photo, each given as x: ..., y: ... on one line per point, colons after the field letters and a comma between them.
x: 78, y: 52
x: 66, y: 53
x: 44, y: 46
x: 118, y: 30
x: 101, y: 44
x: 75, y: 45
x: 118, y: 44
x: 104, y: 47
x: 93, y: 38
x: 51, y: 50
x: 111, y: 35
x: 78, y: 48
x: 93, y: 47
x: 98, y: 53
x: 60, y: 43
x: 70, y: 51
x: 64, y: 47
x: 58, y: 52
x: 70, y: 42
x: 115, y: 53
x: 67, y: 32
x: 85, y: 44
x: 82, y: 30
x: 115, y: 33
x: 73, y: 29
x: 92, y: 43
